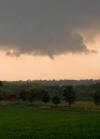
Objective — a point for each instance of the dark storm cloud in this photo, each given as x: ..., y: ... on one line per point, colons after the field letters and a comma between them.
x: 46, y: 27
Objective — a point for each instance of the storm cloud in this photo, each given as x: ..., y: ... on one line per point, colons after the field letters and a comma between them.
x: 47, y: 27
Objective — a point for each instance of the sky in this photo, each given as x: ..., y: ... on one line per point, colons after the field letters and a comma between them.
x: 49, y: 39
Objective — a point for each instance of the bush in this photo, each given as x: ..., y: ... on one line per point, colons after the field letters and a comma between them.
x: 56, y: 100
x: 1, y: 84
x: 69, y: 95
x: 46, y: 97
x: 31, y: 94
x: 3, y: 94
x: 23, y: 95
x: 97, y: 98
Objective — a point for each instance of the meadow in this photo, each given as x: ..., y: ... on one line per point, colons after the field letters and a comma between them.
x: 21, y: 121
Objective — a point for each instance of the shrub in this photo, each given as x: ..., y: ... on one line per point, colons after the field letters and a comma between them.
x: 56, y: 100
x: 31, y: 94
x: 23, y: 95
x: 46, y: 97
x: 3, y: 94
x: 97, y: 98
x: 69, y: 95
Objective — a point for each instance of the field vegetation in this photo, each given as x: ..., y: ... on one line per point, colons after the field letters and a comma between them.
x: 20, y: 121
x: 35, y: 111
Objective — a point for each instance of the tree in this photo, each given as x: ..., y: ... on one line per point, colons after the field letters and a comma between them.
x: 56, y: 100
x: 31, y: 94
x: 1, y: 84
x: 3, y: 94
x: 97, y: 98
x: 46, y: 97
x: 23, y: 95
x: 69, y: 95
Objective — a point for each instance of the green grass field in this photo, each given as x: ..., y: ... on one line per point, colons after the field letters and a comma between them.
x: 21, y: 122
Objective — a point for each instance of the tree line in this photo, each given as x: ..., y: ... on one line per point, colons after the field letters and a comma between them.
x: 31, y: 94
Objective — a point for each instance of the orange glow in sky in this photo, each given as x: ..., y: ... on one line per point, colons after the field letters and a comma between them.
x: 69, y: 66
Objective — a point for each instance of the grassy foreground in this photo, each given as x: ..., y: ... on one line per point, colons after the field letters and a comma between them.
x: 21, y: 122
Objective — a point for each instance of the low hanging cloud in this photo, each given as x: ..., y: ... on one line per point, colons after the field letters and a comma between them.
x: 47, y: 27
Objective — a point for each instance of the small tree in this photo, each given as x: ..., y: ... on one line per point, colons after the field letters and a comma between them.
x: 56, y: 100
x: 3, y: 94
x: 46, y: 97
x: 97, y: 98
x: 69, y: 95
x: 1, y: 84
x: 31, y: 94
x: 23, y: 95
